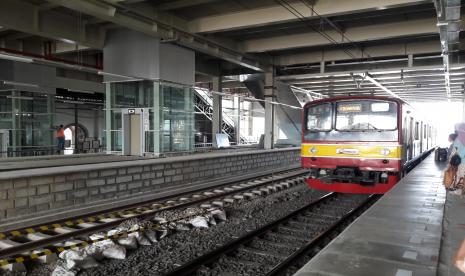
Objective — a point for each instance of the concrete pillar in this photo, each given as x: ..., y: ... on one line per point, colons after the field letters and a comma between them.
x: 217, y: 117
x: 157, y: 119
x: 322, y: 66
x: 189, y: 119
x: 251, y: 115
x: 269, y: 110
x: 108, y: 116
x: 237, y: 118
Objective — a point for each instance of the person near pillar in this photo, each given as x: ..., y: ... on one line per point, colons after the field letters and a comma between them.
x: 451, y: 139
x: 458, y: 156
x: 60, y: 134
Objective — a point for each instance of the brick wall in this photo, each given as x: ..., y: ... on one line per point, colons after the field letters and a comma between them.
x: 24, y: 194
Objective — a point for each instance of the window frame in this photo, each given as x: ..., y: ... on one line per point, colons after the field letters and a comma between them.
x: 361, y: 101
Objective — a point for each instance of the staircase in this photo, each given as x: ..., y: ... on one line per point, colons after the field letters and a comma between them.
x: 203, y: 103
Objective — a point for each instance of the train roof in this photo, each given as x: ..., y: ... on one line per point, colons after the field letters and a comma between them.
x: 335, y: 99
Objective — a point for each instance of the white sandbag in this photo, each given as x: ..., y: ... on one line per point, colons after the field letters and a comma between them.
x: 211, y: 220
x: 130, y: 242
x: 151, y: 235
x: 219, y: 215
x: 162, y: 233
x: 141, y: 239
x: 62, y: 271
x: 106, y: 248
x: 199, y: 222
x: 182, y: 226
x: 115, y: 252
x: 77, y: 259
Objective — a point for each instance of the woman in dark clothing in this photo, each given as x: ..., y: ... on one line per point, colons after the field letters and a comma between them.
x: 452, y: 138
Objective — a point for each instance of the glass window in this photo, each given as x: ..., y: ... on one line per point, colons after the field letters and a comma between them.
x: 319, y: 117
x: 366, y: 115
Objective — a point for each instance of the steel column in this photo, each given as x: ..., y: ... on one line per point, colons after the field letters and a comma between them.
x: 217, y: 109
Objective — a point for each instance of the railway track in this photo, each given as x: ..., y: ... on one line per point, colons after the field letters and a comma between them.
x: 276, y: 247
x: 39, y: 241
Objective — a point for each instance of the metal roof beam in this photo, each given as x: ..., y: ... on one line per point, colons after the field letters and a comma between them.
x: 365, y: 33
x: 180, y: 4
x: 276, y: 14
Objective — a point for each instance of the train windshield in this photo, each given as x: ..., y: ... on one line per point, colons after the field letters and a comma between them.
x: 351, y: 120
x: 319, y: 117
x: 366, y: 115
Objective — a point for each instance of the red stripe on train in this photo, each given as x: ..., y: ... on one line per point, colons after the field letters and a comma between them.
x: 379, y: 188
x: 361, y: 163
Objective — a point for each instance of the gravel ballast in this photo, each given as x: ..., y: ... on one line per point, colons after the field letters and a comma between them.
x: 183, y: 246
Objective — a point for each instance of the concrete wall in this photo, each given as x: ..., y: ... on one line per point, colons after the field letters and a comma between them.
x: 134, y: 54
x: 177, y: 64
x: 131, y: 53
x: 44, y: 78
x: 25, y: 193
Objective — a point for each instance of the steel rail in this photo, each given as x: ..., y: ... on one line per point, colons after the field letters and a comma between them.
x: 28, y: 246
x: 128, y: 207
x: 281, y: 268
x: 192, y: 266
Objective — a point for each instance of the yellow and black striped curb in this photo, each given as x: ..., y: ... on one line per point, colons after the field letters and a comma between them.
x: 121, y: 234
x: 71, y: 223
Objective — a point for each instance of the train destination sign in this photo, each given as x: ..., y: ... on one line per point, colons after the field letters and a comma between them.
x: 349, y: 108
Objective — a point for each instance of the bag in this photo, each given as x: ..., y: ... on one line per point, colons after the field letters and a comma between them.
x: 449, y: 177
x: 455, y: 160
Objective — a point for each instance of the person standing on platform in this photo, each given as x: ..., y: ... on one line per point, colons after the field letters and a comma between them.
x: 458, y: 153
x: 61, y: 139
x: 452, y: 138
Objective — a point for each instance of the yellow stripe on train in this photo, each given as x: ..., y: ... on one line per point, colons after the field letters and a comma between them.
x: 354, y: 151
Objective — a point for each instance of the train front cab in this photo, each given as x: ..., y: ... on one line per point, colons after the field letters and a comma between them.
x: 360, y: 144
x: 352, y: 145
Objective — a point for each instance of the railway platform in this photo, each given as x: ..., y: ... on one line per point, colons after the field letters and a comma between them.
x: 403, y: 234
x: 66, y: 186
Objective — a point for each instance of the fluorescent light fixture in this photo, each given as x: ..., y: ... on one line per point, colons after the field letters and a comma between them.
x: 20, y: 98
x: 113, y: 75
x: 19, y: 84
x: 16, y: 58
x: 80, y: 91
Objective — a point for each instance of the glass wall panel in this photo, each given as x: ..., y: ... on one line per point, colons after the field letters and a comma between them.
x: 29, y: 118
x: 170, y: 114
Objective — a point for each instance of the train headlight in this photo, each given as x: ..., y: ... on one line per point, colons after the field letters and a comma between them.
x: 313, y: 150
x: 385, y: 151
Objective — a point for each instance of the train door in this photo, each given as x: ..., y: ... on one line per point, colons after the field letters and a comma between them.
x: 410, y: 140
x: 420, y: 136
x: 405, y: 138
x: 416, y: 139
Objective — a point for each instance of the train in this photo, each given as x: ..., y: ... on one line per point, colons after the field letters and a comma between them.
x: 362, y: 144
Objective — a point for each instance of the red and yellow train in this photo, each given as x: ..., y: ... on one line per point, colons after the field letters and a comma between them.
x: 361, y: 144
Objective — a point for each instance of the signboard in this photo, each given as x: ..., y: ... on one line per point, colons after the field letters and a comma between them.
x: 222, y: 140
x: 347, y: 108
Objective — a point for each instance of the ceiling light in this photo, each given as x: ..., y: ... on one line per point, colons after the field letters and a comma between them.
x: 16, y: 58
x: 19, y: 84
